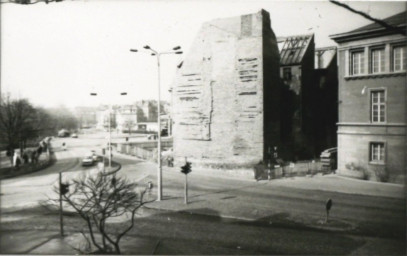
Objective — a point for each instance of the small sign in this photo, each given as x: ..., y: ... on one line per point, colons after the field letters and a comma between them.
x: 292, y: 165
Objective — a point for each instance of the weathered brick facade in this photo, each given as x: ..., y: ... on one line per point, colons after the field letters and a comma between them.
x: 225, y: 97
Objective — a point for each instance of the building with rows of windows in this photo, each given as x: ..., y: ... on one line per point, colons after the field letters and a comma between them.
x: 372, y: 101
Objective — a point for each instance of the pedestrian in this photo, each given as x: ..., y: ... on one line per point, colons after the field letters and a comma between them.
x: 170, y: 161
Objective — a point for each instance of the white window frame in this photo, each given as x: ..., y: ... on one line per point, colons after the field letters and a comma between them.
x: 360, y: 53
x: 380, y: 104
x: 381, y: 64
x: 377, y: 152
x: 403, y: 57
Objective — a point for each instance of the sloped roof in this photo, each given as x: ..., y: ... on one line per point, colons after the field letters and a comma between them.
x: 293, y: 48
x: 373, y: 29
x: 324, y: 57
x: 395, y: 20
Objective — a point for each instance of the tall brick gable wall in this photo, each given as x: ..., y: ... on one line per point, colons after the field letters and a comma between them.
x: 219, y: 93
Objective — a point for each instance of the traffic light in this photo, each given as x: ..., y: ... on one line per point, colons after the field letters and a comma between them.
x: 186, y: 168
x: 63, y: 188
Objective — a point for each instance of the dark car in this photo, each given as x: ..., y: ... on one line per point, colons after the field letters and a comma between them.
x: 63, y: 133
x: 329, y: 159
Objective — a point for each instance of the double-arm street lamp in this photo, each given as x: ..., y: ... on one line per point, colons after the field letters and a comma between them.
x: 110, y: 133
x: 175, y: 50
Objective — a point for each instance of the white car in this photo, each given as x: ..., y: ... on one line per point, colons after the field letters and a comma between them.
x: 88, y: 160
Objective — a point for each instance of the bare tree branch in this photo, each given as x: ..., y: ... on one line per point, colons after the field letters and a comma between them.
x: 367, y: 16
x: 27, y: 2
x: 96, y: 198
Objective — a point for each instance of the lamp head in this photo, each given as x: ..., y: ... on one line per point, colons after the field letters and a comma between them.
x: 133, y: 50
x: 178, y: 52
x: 146, y: 47
x: 176, y: 48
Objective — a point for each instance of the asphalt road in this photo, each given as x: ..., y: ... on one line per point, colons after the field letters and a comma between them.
x: 272, y: 219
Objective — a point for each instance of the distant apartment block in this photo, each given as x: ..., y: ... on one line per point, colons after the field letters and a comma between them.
x: 372, y: 101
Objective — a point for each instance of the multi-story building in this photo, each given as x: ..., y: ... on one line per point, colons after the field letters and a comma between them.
x: 126, y: 118
x: 326, y: 98
x: 103, y: 118
x: 226, y: 94
x: 309, y: 93
x: 297, y: 74
x: 86, y: 116
x: 372, y: 101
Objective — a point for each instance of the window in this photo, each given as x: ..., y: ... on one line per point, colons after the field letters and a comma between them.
x: 377, y: 152
x: 377, y: 60
x: 378, y: 107
x: 357, y: 63
x: 399, y: 58
x: 287, y: 74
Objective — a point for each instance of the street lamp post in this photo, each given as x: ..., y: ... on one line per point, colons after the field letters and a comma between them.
x: 110, y: 131
x: 175, y: 50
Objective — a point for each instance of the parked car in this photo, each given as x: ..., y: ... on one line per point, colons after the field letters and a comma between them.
x: 152, y: 137
x: 74, y: 135
x: 329, y: 158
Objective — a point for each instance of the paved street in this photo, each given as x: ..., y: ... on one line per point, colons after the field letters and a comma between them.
x: 239, y: 210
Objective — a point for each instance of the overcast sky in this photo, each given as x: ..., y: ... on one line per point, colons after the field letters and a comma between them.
x: 57, y: 54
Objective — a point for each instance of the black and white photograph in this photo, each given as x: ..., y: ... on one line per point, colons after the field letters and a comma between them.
x: 229, y: 127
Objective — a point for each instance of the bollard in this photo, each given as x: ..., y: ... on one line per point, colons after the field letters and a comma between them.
x: 328, y: 207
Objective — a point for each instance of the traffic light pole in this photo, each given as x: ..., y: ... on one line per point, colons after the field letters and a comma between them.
x: 61, y: 219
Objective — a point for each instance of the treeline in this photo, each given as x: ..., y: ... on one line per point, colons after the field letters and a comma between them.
x: 23, y: 124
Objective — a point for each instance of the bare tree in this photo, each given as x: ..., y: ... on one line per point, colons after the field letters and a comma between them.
x: 97, y: 198
x: 62, y: 118
x: 27, y: 1
x: 19, y: 122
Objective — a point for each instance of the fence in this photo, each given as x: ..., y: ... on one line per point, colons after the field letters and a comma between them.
x: 301, y: 168
x: 134, y: 150
x: 146, y: 150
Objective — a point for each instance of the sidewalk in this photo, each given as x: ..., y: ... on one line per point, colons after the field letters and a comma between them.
x: 341, y: 184
x: 220, y: 203
x: 330, y: 182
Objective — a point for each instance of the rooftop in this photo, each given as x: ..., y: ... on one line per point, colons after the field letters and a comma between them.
x: 293, y: 48
x: 374, y: 29
x: 395, y: 21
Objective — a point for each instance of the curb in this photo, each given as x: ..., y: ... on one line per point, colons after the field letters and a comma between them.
x: 368, y: 181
